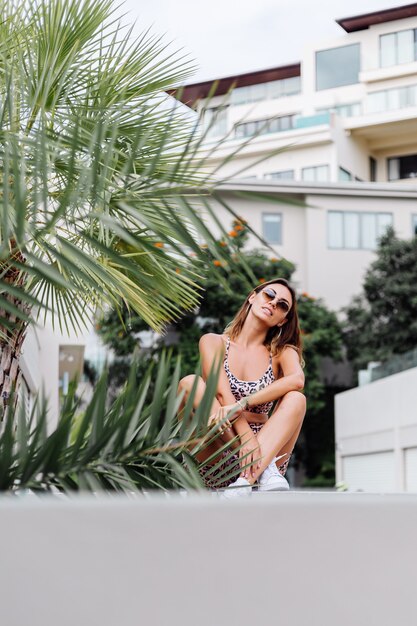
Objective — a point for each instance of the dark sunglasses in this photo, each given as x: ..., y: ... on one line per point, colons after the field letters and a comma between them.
x: 270, y: 295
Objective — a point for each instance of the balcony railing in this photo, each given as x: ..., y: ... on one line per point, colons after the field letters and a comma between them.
x: 307, y: 121
x: 397, y: 363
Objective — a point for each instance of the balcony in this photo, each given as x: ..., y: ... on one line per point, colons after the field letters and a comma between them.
x: 320, y: 119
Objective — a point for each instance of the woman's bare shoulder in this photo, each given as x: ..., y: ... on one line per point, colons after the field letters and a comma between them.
x: 211, y: 341
x: 288, y: 352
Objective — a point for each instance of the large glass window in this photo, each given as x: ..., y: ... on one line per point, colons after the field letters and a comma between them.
x: 392, y: 99
x: 282, y: 175
x: 414, y: 223
x: 353, y: 230
x: 266, y: 91
x: 272, y: 227
x: 319, y: 173
x: 337, y: 67
x: 402, y: 167
x: 344, y: 174
x: 263, y: 127
x: 343, y: 110
x: 397, y: 48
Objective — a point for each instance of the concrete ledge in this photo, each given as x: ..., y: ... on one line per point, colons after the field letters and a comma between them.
x: 297, y: 558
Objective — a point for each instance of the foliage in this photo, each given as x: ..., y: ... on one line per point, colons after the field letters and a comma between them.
x: 382, y: 321
x: 103, y: 178
x: 131, y: 444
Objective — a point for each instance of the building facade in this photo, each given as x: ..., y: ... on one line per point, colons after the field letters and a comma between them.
x: 328, y: 230
x: 346, y: 111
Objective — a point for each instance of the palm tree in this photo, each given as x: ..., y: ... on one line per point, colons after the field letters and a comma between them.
x: 102, y: 182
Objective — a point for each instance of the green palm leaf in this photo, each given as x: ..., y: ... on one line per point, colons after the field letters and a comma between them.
x: 135, y: 443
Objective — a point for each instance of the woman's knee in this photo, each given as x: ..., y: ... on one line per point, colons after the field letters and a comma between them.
x: 187, y: 383
x: 297, y: 399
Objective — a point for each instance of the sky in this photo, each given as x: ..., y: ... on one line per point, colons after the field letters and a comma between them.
x: 224, y: 40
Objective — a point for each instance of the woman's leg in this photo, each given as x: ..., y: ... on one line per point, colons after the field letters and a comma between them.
x: 280, y: 432
x: 185, y: 386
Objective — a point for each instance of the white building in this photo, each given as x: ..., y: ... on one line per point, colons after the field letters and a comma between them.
x: 336, y: 131
x: 346, y: 111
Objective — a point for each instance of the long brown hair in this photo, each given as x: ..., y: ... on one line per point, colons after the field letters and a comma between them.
x: 288, y: 334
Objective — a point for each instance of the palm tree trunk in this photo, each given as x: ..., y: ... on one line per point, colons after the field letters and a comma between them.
x: 12, y: 329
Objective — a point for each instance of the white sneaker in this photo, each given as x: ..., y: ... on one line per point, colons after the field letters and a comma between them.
x: 240, y: 488
x: 272, y: 480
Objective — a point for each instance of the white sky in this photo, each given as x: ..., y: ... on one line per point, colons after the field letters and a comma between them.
x: 228, y: 37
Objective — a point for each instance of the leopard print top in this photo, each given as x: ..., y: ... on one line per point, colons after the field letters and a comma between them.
x: 242, y: 388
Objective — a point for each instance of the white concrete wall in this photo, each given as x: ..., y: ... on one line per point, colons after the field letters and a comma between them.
x: 40, y: 362
x: 378, y: 417
x: 289, y: 558
x: 294, y: 231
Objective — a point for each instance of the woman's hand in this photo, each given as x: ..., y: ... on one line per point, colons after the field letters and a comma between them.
x: 220, y: 417
x: 249, y: 453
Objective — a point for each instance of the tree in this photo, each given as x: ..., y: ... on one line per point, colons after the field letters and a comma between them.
x: 224, y: 293
x: 102, y: 179
x: 382, y: 321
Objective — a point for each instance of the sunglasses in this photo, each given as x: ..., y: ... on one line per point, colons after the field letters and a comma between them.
x: 270, y: 295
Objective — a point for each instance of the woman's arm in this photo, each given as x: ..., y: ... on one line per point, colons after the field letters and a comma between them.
x: 292, y: 380
x: 211, y: 352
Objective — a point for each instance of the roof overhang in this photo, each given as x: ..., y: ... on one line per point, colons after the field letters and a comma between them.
x: 361, y: 22
x: 191, y: 94
x: 302, y: 189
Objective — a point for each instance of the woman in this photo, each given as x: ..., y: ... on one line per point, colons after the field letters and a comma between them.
x: 262, y: 363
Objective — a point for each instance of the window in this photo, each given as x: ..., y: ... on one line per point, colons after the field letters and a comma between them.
x: 315, y: 174
x: 272, y: 227
x: 266, y: 91
x: 414, y: 224
x: 397, y: 48
x: 402, y: 167
x: 263, y: 127
x: 392, y: 99
x: 282, y: 175
x: 372, y: 169
x: 343, y: 110
x: 356, y: 231
x: 215, y: 121
x: 344, y: 174
x: 337, y: 67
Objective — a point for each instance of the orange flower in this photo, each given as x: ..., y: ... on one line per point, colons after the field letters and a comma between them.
x: 223, y: 244
x: 217, y: 263
x: 238, y: 227
x: 305, y: 294
x: 177, y: 269
x: 274, y: 259
x: 159, y: 244
x: 262, y: 280
x: 233, y: 233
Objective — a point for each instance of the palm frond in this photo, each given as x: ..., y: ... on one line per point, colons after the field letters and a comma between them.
x: 104, y: 183
x: 135, y: 443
